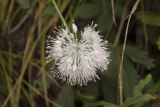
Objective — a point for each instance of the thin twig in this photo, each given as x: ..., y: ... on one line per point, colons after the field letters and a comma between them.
x: 25, y: 17
x: 120, y: 76
x: 145, y: 28
x: 8, y: 15
x: 113, y: 12
x: 116, y: 41
x: 27, y: 56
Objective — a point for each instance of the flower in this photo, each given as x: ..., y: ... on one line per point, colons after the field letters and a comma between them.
x: 78, y: 60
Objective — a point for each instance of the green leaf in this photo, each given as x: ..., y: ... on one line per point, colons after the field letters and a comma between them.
x: 119, y: 8
x: 108, y: 82
x: 139, y: 56
x: 104, y: 22
x: 49, y: 11
x: 138, y: 99
x: 113, y: 68
x: 100, y: 103
x: 138, y: 88
x: 155, y: 87
x: 91, y: 91
x: 151, y: 18
x: 87, y: 10
x: 156, y: 104
x: 130, y: 78
x: 25, y: 4
x: 85, y: 97
x: 66, y: 97
x: 109, y: 89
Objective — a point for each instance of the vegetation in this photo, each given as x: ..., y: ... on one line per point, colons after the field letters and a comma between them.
x: 25, y: 80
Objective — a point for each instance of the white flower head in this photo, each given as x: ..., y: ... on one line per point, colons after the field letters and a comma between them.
x: 78, y: 60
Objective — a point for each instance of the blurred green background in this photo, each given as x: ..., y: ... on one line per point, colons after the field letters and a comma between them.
x: 25, y: 81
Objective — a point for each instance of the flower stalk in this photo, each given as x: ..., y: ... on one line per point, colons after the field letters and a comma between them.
x: 60, y: 15
x: 121, y: 72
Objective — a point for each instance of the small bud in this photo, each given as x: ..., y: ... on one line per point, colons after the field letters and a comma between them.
x: 74, y: 27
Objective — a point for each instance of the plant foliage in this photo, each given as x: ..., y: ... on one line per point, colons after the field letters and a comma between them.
x: 25, y: 80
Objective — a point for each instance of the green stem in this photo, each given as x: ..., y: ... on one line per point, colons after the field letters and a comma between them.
x: 144, y: 28
x: 121, y: 72
x: 60, y: 15
x: 121, y: 25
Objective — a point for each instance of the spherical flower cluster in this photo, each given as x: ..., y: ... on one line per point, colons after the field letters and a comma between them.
x: 78, y: 57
